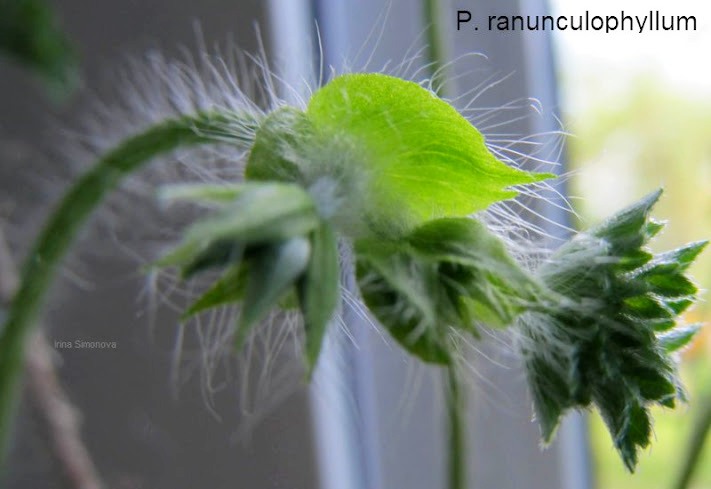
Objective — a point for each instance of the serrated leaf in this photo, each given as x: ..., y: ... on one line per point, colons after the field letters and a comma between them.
x: 228, y: 289
x: 654, y: 379
x: 270, y: 272
x: 661, y: 325
x: 319, y: 290
x: 679, y: 305
x: 682, y: 257
x: 633, y: 260
x: 654, y: 227
x: 424, y: 159
x: 606, y: 341
x: 647, y: 307
x: 679, y: 337
x: 628, y: 229
x: 666, y: 280
x: 550, y: 393
x: 635, y: 434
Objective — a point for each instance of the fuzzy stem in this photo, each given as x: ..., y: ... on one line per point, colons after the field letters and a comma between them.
x: 696, y: 445
x: 435, y: 46
x: 457, y: 445
x: 63, y: 225
x: 455, y: 404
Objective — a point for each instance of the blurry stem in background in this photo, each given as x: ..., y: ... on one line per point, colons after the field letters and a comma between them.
x: 456, y: 463
x: 59, y: 415
x: 696, y: 443
x: 436, y: 46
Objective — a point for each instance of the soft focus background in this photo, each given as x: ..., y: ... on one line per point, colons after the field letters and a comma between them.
x: 638, y: 107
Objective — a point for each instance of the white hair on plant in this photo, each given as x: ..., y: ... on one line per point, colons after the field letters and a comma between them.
x: 215, y: 348
x: 154, y: 88
x: 439, y: 248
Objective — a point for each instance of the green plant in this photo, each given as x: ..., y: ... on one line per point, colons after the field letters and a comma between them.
x: 389, y: 167
x: 29, y: 35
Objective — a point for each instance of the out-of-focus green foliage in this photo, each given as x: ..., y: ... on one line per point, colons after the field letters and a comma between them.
x: 29, y: 34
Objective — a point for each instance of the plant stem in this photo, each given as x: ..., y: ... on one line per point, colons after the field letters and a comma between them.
x: 457, y: 449
x: 63, y: 225
x: 696, y: 444
x: 58, y: 414
x: 436, y: 57
x: 434, y: 37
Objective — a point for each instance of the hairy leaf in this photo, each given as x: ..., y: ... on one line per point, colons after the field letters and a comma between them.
x: 608, y: 342
x: 495, y: 286
x: 447, y: 273
x: 403, y: 294
x: 319, y: 290
x: 679, y: 337
x: 424, y: 159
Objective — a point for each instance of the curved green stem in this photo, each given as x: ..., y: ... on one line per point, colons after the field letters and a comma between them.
x: 696, y: 445
x: 76, y: 206
x: 457, y: 471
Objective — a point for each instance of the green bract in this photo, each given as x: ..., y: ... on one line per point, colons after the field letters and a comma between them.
x: 608, y: 343
x: 424, y: 159
x: 271, y: 241
x: 393, y: 148
x: 447, y: 273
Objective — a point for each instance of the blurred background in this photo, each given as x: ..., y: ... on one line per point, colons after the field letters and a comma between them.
x: 638, y: 109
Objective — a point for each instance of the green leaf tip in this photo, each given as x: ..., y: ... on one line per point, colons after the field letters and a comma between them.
x: 679, y: 337
x: 608, y: 342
